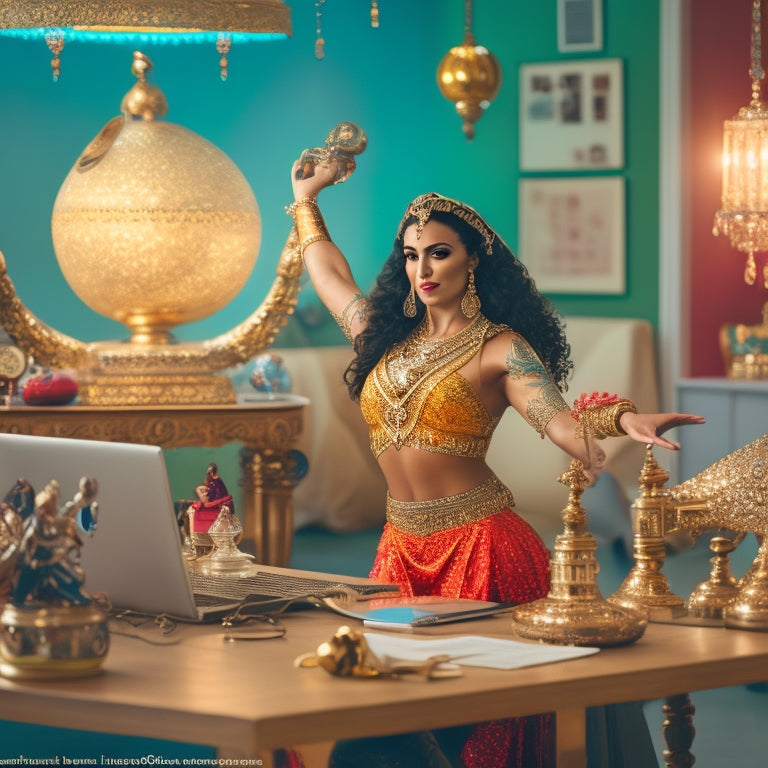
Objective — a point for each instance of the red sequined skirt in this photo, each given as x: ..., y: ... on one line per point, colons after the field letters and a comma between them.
x: 500, y: 558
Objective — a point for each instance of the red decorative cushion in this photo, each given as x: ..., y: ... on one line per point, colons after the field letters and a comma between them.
x: 50, y: 389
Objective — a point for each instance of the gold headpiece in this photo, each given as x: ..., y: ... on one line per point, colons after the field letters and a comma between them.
x: 423, y: 206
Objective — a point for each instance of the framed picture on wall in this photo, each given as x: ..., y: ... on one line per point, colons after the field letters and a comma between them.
x: 572, y: 115
x: 572, y: 234
x: 579, y: 25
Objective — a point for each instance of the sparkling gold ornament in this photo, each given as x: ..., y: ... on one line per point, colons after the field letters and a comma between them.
x: 574, y: 612
x: 730, y: 495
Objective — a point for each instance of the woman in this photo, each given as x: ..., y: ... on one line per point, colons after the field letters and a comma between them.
x: 452, y: 334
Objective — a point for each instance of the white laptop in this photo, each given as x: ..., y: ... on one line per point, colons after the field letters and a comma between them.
x: 135, y: 553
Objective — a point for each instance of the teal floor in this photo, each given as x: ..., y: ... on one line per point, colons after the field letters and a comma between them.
x: 731, y: 723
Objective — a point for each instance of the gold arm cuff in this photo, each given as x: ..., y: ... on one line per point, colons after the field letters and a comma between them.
x: 424, y: 518
x: 310, y: 225
x: 604, y: 421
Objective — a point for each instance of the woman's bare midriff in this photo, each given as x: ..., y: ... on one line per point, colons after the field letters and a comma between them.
x: 416, y: 475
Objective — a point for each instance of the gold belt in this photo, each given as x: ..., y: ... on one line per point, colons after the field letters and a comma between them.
x: 423, y: 518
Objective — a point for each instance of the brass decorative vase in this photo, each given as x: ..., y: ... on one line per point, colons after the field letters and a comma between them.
x: 574, y: 612
x: 51, y: 642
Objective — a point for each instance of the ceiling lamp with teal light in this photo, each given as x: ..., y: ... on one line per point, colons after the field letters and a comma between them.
x: 222, y: 22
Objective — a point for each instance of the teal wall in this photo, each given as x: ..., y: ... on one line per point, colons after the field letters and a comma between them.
x: 279, y: 99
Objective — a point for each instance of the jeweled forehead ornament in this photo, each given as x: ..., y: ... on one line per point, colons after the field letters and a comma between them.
x: 423, y: 206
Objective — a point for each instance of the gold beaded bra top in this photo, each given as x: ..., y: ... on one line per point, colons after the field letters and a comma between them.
x: 416, y: 397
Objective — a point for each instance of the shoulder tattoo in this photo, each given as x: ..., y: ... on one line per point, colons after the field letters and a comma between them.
x: 545, y: 401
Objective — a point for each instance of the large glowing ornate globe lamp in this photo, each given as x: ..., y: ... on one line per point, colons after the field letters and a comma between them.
x: 154, y: 226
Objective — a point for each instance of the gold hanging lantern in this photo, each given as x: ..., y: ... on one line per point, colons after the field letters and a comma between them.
x: 743, y: 216
x: 470, y: 76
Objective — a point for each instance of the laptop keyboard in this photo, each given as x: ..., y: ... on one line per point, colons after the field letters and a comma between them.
x: 276, y: 585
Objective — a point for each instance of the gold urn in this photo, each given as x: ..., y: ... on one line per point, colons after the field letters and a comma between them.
x: 51, y: 642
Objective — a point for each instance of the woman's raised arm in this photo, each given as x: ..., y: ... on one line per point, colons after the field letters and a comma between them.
x: 326, y: 265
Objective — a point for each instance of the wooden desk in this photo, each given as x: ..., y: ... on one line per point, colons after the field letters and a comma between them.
x: 267, y: 430
x: 246, y: 698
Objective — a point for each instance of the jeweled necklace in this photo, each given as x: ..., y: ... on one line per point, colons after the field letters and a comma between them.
x: 411, y: 359
x: 412, y: 368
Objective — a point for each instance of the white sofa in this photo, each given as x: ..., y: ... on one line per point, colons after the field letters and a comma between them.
x: 344, y: 489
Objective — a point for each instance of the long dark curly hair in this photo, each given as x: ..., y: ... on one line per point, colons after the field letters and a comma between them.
x: 506, y: 291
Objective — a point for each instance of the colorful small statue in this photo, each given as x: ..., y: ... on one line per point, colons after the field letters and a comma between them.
x: 212, y: 496
x: 40, y: 565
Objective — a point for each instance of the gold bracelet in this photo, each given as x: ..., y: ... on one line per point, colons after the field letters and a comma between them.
x: 310, y: 225
x: 357, y: 307
x: 605, y: 420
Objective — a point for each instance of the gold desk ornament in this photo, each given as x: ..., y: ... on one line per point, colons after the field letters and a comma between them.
x: 729, y: 496
x: 347, y: 654
x: 50, y: 628
x: 744, y: 349
x: 155, y: 226
x: 574, y: 612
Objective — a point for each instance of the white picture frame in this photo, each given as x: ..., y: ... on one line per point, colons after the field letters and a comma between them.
x: 579, y: 25
x: 572, y: 115
x: 572, y: 234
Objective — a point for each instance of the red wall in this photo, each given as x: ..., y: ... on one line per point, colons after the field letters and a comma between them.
x: 719, y: 86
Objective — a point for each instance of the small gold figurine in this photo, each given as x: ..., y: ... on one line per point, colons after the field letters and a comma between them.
x: 347, y: 654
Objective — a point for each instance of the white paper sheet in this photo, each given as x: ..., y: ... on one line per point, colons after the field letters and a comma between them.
x: 472, y: 650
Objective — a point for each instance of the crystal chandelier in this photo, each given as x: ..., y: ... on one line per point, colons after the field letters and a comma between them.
x: 141, y: 21
x: 743, y: 216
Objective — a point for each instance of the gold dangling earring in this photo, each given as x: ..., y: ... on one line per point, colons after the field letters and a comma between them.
x: 409, y: 305
x: 470, y: 302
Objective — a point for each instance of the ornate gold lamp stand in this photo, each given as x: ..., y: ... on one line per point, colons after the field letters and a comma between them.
x: 730, y: 495
x: 646, y: 587
x: 574, y: 612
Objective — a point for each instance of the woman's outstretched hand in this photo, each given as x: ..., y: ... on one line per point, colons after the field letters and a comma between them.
x: 648, y: 427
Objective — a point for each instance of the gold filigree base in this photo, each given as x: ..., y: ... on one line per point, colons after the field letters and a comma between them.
x: 52, y: 642
x: 578, y: 622
x: 158, y: 389
x: 646, y: 590
x: 750, y: 609
x: 709, y: 599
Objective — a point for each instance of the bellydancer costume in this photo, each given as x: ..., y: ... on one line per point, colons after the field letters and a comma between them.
x: 471, y: 545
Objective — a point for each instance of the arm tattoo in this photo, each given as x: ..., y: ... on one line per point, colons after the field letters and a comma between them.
x: 546, y: 401
x: 356, y: 309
